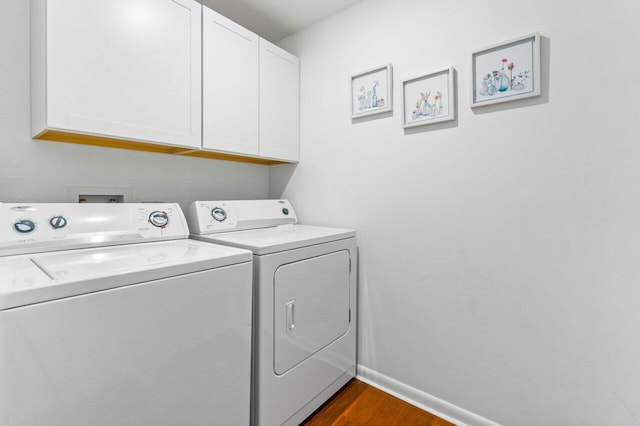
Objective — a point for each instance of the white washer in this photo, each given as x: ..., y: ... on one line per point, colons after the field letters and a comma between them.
x: 304, y: 303
x: 109, y: 315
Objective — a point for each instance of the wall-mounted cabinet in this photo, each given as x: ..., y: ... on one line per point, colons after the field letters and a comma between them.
x: 250, y: 92
x: 230, y: 104
x: 279, y: 103
x: 118, y: 70
x: 161, y: 75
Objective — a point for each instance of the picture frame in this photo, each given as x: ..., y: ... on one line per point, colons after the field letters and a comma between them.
x: 506, y: 72
x: 372, y: 91
x: 429, y: 98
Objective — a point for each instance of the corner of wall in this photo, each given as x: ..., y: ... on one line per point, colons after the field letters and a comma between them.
x: 279, y: 176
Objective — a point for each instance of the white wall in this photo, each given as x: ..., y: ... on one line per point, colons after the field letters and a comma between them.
x: 40, y: 171
x: 500, y: 253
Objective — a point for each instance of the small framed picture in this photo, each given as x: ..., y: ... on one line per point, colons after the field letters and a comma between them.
x: 429, y: 98
x: 371, y: 91
x: 506, y: 72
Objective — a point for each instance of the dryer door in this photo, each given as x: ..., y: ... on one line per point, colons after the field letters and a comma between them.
x: 311, y: 307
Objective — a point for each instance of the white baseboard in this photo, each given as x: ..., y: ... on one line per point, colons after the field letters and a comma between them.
x: 423, y: 400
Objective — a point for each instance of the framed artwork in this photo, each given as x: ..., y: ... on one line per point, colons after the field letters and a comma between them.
x: 371, y: 91
x: 506, y: 72
x: 429, y: 98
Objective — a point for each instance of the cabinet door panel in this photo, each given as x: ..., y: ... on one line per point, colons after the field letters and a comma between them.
x: 230, y: 85
x: 125, y: 68
x: 279, y: 103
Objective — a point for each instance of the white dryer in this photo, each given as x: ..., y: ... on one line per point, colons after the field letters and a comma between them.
x: 110, y: 315
x: 304, y: 303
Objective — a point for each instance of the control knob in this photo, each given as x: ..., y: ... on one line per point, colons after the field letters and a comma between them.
x: 24, y: 226
x: 58, y: 222
x: 219, y: 214
x: 159, y: 219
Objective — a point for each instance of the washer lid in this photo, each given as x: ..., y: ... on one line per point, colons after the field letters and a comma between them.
x: 279, y: 238
x: 28, y: 279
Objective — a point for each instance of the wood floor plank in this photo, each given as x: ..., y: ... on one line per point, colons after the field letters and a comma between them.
x: 361, y: 404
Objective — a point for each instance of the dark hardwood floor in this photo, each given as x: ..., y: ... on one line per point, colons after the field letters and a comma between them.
x: 360, y: 404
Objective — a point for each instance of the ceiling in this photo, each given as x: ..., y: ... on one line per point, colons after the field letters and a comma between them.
x: 276, y: 19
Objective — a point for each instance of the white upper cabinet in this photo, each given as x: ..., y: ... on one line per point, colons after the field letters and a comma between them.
x: 230, y: 95
x: 161, y: 75
x: 279, y: 103
x: 121, y: 69
x: 250, y: 92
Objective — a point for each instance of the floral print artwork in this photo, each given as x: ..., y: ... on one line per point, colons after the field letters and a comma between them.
x: 368, y: 99
x: 370, y: 92
x: 426, y: 98
x: 504, y: 71
x: 498, y: 81
x: 425, y: 108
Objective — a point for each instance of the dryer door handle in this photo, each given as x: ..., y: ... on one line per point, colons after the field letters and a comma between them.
x: 291, y: 316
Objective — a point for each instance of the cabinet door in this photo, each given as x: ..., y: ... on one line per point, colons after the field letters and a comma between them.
x: 127, y: 69
x: 229, y: 85
x: 279, y: 103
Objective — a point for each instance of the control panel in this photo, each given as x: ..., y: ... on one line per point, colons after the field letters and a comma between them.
x: 206, y: 217
x: 31, y: 228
